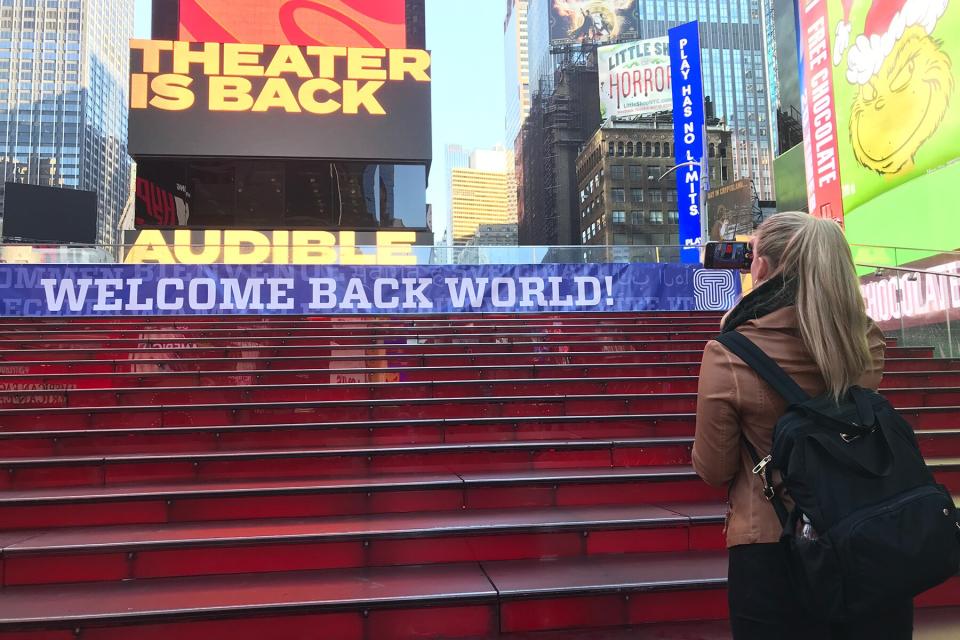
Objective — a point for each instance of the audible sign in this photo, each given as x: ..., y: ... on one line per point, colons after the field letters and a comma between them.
x: 240, y: 100
x: 245, y: 246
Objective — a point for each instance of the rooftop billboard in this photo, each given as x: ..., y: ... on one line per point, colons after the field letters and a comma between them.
x: 592, y: 21
x: 269, y: 101
x: 635, y: 78
x: 348, y: 23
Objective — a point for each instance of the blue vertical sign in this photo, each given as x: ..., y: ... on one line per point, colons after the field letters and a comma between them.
x: 689, y: 129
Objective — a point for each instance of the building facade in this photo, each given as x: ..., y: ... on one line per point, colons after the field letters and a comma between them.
x: 480, y: 194
x: 735, y: 73
x: 622, y: 200
x: 517, y: 73
x: 63, y: 99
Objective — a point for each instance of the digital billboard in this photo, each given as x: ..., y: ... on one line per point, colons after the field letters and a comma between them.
x: 883, y: 74
x: 592, y: 21
x: 730, y: 211
x: 49, y: 214
x: 270, y: 101
x: 347, y: 23
x: 634, y: 78
x: 689, y: 135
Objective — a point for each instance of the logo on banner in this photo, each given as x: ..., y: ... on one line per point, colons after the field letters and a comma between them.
x: 689, y: 128
x: 715, y: 290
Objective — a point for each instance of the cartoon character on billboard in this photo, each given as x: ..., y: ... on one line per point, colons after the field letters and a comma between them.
x: 904, y: 81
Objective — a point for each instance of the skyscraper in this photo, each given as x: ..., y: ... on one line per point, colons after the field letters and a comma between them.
x: 480, y: 194
x: 517, y: 60
x: 734, y: 70
x: 63, y: 99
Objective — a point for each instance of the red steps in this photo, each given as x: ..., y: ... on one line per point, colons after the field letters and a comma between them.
x: 191, y: 531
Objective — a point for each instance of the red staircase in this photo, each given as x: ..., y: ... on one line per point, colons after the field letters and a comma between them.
x: 390, y: 478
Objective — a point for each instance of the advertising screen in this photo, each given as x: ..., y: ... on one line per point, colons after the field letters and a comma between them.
x: 730, y: 211
x: 346, y: 23
x: 592, y: 21
x: 894, y: 66
x: 634, y: 78
x: 49, y: 214
x: 268, y: 101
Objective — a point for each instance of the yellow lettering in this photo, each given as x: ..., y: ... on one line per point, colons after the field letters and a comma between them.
x: 355, y: 96
x: 150, y: 248
x: 151, y: 53
x: 139, y: 91
x: 245, y: 247
x: 289, y: 59
x: 412, y: 62
x: 281, y: 247
x: 313, y: 247
x: 230, y: 94
x: 308, y: 96
x: 366, y: 64
x: 396, y: 247
x: 327, y: 56
x: 349, y: 253
x: 173, y: 92
x: 242, y: 60
x: 184, y: 56
x: 209, y: 250
x: 277, y: 94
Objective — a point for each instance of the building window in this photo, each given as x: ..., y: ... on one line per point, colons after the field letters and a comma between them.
x: 656, y: 195
x: 636, y: 217
x: 636, y: 195
x: 636, y: 172
x: 620, y: 149
x: 619, y: 195
x: 616, y: 172
x: 653, y: 172
x: 656, y: 149
x: 611, y: 149
x: 656, y: 217
x: 673, y: 217
x: 670, y: 195
x: 629, y: 149
x: 619, y: 217
x: 666, y: 149
x: 647, y: 149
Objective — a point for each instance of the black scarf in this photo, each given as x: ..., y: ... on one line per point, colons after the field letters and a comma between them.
x: 773, y: 295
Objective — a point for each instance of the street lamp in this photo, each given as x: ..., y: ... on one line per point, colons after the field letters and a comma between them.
x: 703, y: 201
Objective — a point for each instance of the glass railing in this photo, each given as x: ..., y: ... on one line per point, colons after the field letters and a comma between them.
x: 918, y: 306
x: 354, y: 255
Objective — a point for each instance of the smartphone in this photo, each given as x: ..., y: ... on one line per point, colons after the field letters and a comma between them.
x: 728, y: 255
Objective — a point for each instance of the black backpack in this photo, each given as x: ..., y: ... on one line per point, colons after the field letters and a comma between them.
x: 882, y: 528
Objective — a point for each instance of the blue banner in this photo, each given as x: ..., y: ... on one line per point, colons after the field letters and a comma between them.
x: 689, y: 130
x: 152, y: 289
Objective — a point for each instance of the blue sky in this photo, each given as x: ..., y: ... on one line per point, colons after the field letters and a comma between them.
x: 466, y: 39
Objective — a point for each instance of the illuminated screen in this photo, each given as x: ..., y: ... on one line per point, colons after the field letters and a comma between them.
x: 342, y: 23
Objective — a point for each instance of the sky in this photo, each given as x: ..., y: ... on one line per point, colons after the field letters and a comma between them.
x: 466, y: 40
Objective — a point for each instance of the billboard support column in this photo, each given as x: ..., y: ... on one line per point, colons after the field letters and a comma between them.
x: 689, y: 127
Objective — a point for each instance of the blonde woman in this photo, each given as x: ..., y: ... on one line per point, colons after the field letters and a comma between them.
x: 806, y: 313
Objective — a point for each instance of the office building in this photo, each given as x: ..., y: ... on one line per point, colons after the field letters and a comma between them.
x: 622, y: 200
x: 735, y: 72
x: 517, y: 61
x: 479, y: 194
x: 63, y: 99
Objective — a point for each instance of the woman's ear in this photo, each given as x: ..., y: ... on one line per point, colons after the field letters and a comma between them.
x: 760, y: 270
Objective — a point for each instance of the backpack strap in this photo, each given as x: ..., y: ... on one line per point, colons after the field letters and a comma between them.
x: 765, y: 367
x: 781, y: 382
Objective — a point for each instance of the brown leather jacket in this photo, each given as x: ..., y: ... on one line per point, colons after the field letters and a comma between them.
x: 733, y: 403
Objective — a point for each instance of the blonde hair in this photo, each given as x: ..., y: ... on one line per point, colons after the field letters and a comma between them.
x: 813, y: 255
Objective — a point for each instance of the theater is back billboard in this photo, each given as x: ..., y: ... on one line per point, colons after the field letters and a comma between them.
x: 239, y: 100
x: 351, y: 23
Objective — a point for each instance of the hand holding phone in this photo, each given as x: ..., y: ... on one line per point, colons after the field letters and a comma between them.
x: 728, y: 255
